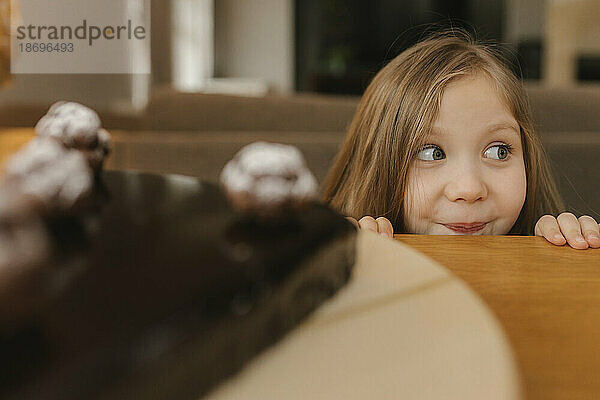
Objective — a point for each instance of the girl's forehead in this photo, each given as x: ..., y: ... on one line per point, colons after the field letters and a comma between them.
x: 473, y: 101
x: 473, y: 90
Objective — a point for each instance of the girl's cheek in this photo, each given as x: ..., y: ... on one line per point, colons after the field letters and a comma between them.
x: 515, y: 185
x: 508, y: 190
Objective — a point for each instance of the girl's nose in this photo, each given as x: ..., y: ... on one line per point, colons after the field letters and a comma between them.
x: 467, y: 185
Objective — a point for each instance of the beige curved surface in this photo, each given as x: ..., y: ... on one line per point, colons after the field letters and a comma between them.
x: 403, y: 328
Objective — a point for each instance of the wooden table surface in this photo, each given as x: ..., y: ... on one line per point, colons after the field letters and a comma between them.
x: 546, y: 297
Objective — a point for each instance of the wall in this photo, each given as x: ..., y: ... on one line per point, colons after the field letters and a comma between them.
x: 524, y: 20
x: 254, y: 39
x: 571, y: 31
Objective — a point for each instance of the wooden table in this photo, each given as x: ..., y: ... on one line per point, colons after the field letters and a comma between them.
x: 11, y: 140
x: 546, y: 297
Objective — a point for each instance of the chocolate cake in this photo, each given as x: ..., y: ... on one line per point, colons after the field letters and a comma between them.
x: 160, y: 290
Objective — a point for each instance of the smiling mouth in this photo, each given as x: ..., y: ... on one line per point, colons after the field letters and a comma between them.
x: 466, y: 228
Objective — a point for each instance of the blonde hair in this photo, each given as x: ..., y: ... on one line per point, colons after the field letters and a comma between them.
x: 397, y: 112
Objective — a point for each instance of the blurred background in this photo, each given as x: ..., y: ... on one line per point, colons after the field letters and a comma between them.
x: 326, y: 46
x: 229, y: 72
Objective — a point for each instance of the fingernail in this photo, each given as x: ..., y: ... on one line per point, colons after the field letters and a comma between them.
x: 593, y: 236
x: 580, y: 239
x: 383, y: 234
x: 558, y: 237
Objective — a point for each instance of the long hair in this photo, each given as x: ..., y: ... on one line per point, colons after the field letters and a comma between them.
x: 397, y: 112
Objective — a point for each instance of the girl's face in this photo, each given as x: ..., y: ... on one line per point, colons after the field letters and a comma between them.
x: 470, y: 177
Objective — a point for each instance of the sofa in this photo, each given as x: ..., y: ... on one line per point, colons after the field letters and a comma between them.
x: 195, y: 134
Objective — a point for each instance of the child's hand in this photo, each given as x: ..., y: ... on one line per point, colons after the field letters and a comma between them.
x: 380, y: 225
x: 579, y: 233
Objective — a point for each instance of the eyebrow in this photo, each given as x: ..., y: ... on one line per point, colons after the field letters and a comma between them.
x: 498, y: 126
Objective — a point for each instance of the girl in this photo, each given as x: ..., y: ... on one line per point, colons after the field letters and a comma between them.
x: 443, y: 143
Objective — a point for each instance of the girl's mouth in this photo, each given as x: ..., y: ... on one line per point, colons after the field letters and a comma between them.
x: 466, y: 227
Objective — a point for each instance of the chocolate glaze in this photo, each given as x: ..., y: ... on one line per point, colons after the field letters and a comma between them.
x: 161, y: 291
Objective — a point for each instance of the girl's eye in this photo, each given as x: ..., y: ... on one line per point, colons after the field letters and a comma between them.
x: 431, y: 153
x: 498, y: 152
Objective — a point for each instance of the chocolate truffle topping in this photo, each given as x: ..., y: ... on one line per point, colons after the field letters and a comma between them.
x: 76, y: 126
x: 266, y: 177
x: 57, y: 177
